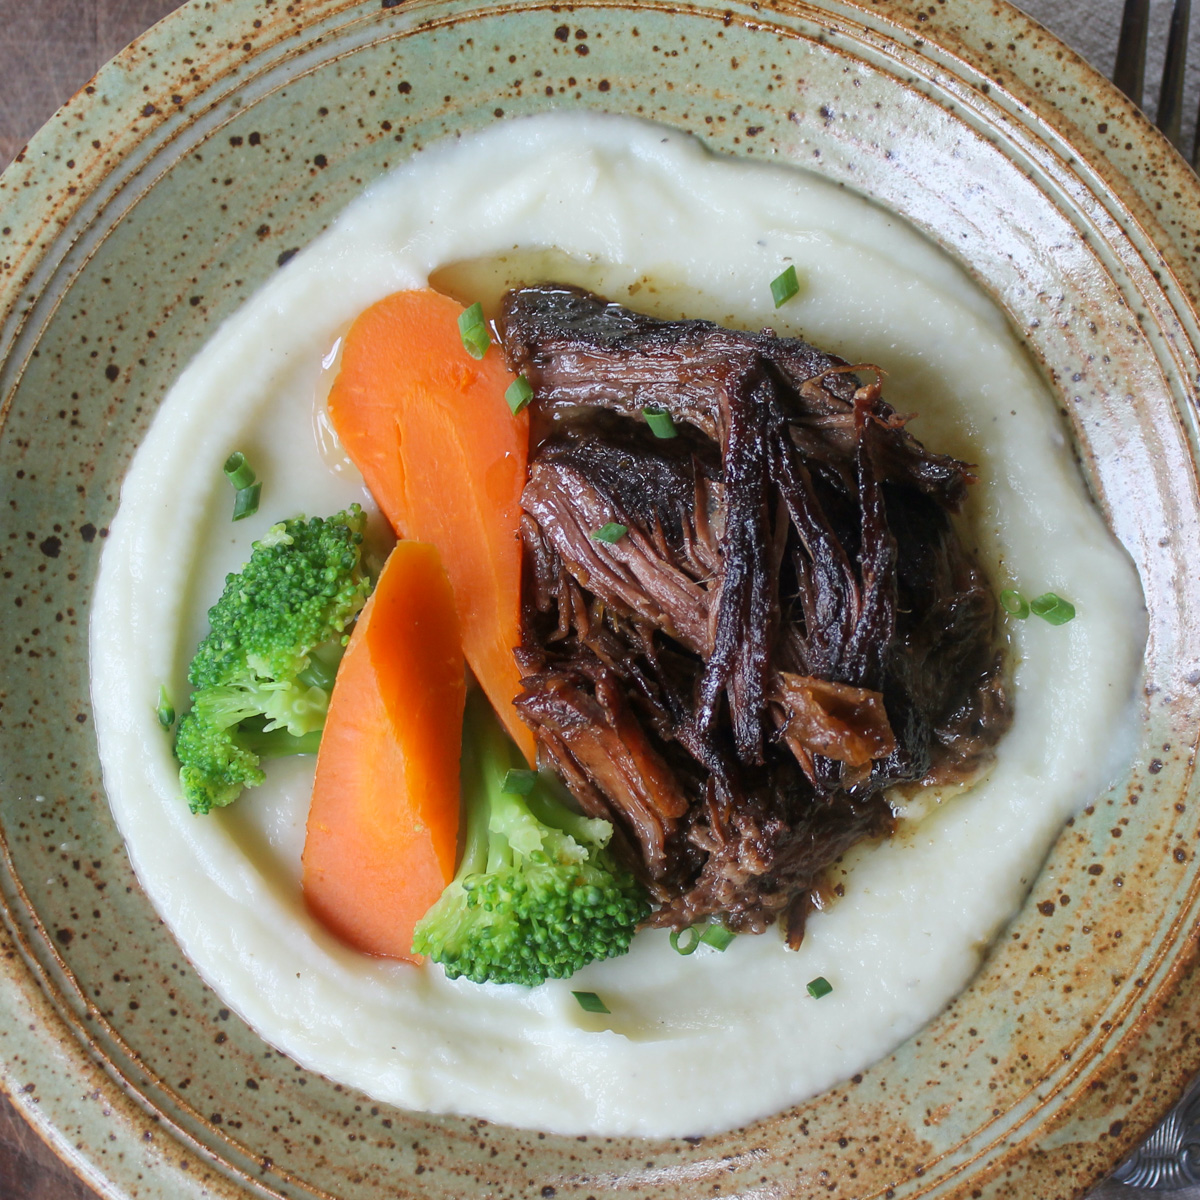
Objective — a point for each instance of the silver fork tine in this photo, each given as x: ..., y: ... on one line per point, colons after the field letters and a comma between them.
x: 1130, y: 72
x: 1170, y: 98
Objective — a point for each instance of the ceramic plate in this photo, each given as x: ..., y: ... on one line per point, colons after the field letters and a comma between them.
x: 193, y: 167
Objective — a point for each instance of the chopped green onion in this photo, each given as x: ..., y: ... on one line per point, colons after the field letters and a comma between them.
x: 518, y: 783
x: 660, y: 422
x: 476, y: 341
x: 717, y: 936
x: 238, y: 471
x: 784, y: 286
x: 612, y: 532
x: 166, y: 710
x: 518, y: 394
x: 1053, y: 608
x: 590, y: 1002
x: 245, y: 503
x: 690, y: 945
x: 241, y: 475
x: 1014, y: 604
x: 470, y: 317
x: 473, y: 331
x: 819, y: 987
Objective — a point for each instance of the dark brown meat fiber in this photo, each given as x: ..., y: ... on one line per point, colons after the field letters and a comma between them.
x: 789, y: 626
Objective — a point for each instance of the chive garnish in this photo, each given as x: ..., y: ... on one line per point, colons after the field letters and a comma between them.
x: 241, y: 475
x: 1052, y: 608
x: 518, y: 394
x: 473, y: 331
x: 590, y: 1002
x: 612, y: 532
x: 819, y: 987
x: 688, y: 947
x: 165, y: 710
x: 245, y: 503
x: 238, y: 471
x: 476, y: 341
x: 784, y: 286
x: 1014, y: 604
x: 660, y: 422
x: 717, y: 936
x: 518, y: 783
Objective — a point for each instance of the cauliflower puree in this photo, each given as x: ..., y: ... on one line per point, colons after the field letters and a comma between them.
x: 692, y: 1045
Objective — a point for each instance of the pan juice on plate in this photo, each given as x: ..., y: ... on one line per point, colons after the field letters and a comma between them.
x: 648, y: 218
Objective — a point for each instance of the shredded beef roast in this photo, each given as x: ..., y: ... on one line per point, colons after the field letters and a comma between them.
x: 790, y: 625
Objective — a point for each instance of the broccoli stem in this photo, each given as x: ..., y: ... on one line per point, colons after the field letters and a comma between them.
x: 487, y: 756
x: 498, y: 822
x: 278, y: 743
x: 322, y: 666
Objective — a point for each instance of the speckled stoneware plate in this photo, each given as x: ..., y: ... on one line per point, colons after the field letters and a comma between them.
x: 193, y: 166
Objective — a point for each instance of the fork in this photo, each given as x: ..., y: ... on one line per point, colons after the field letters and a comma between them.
x: 1130, y: 72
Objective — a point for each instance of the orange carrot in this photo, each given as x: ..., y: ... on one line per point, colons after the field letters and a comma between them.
x: 383, y: 826
x: 444, y: 457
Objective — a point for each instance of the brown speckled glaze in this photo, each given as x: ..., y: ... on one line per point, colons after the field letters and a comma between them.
x: 189, y: 171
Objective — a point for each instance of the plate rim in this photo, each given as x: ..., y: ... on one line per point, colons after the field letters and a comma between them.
x: 22, y: 993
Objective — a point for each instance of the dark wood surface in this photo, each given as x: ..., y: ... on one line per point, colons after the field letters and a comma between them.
x: 48, y: 50
x: 29, y: 1169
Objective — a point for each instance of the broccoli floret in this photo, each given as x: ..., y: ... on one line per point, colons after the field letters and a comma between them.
x: 537, y: 896
x: 261, y: 677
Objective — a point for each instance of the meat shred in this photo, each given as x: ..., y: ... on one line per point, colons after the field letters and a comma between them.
x: 790, y: 625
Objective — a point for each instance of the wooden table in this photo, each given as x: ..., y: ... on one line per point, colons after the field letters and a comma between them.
x: 48, y: 50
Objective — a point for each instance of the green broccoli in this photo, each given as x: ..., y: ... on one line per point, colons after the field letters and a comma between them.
x: 537, y: 895
x: 261, y: 677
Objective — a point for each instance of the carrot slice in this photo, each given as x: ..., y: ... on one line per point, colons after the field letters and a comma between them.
x: 382, y: 834
x: 445, y: 459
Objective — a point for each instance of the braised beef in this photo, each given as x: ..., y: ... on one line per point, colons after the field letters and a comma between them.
x: 660, y: 569
x: 790, y: 625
